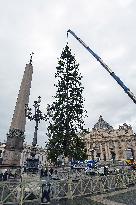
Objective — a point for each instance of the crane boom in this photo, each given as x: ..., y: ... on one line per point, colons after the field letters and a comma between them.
x: 118, y: 80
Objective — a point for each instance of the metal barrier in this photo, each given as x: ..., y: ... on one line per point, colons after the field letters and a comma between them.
x: 92, y: 185
x: 30, y: 189
x: 71, y: 174
x: 20, y: 192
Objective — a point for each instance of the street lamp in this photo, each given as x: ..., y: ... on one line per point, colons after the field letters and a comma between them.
x: 37, y: 117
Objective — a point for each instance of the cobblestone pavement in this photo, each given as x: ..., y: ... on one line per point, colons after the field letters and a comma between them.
x: 76, y: 201
x: 127, y: 198
x: 121, y: 197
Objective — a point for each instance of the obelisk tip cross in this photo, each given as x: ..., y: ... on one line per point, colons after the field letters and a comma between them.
x: 31, y: 57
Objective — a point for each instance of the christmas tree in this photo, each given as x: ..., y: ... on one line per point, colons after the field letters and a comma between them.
x: 66, y: 114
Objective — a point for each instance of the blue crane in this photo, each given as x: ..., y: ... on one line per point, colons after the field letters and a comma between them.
x: 118, y: 80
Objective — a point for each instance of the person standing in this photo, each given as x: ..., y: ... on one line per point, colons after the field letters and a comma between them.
x: 1, y: 175
x: 51, y: 171
x: 5, y: 176
x: 45, y: 193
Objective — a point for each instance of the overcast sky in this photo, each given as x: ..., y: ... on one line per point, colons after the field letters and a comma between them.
x: 108, y: 27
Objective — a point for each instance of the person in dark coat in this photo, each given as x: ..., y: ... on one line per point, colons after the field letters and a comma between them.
x: 41, y: 173
x: 51, y: 171
x: 46, y: 172
x: 1, y: 175
x: 45, y: 193
x: 105, y: 170
x: 5, y: 176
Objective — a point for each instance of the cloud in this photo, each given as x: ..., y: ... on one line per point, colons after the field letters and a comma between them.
x: 40, y: 26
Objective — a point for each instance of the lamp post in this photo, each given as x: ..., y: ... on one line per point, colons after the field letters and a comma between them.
x: 37, y: 117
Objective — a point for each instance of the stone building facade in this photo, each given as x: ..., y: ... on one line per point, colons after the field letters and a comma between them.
x: 106, y: 143
x: 2, y: 148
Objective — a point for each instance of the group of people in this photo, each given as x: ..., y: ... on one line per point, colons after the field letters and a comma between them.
x: 47, y: 172
x: 7, y: 174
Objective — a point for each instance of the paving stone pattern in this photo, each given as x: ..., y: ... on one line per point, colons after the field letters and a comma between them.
x: 128, y: 198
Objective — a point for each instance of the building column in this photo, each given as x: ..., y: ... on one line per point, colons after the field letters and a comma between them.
x: 101, y: 156
x: 109, y: 151
x: 95, y: 155
x: 124, y: 148
x: 88, y: 149
x: 106, y: 151
x: 134, y: 150
x: 116, y: 150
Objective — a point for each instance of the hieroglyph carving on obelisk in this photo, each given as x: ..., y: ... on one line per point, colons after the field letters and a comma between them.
x: 15, y: 137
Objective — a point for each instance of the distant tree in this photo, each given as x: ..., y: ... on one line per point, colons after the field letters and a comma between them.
x: 66, y: 113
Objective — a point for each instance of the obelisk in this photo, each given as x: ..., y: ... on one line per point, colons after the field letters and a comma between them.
x: 15, y: 137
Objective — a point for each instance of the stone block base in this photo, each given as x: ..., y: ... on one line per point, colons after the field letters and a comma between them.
x: 11, y: 157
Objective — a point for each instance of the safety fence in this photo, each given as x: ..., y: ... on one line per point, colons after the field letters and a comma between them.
x: 92, y: 185
x: 74, y: 174
x: 18, y: 193
x: 31, y: 189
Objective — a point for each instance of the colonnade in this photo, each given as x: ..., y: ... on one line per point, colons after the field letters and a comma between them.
x: 103, y: 150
